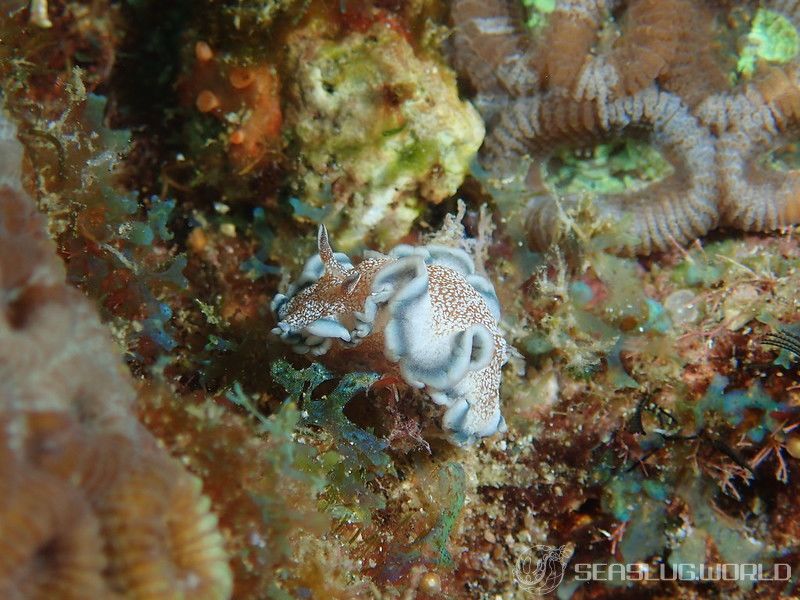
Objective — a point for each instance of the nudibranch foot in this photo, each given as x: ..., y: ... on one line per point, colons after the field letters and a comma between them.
x: 422, y: 313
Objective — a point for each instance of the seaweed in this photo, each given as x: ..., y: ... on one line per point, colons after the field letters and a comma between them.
x: 357, y: 456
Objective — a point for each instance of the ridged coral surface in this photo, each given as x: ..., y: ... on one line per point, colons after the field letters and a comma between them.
x: 71, y: 443
x: 586, y: 73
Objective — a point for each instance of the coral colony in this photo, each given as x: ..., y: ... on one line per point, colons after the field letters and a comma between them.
x: 392, y: 299
x: 571, y: 88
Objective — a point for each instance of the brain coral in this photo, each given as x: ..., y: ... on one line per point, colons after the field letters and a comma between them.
x: 51, y: 543
x: 71, y: 446
x: 590, y: 72
x: 422, y: 313
x: 679, y: 207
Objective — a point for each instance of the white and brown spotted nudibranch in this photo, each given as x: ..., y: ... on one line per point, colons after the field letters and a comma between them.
x: 421, y: 313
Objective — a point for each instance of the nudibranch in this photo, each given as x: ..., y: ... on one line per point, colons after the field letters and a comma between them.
x: 420, y: 313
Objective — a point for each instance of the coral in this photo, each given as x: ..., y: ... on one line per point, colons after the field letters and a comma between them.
x: 377, y: 129
x: 52, y: 547
x: 380, y: 306
x: 574, y: 50
x: 758, y: 196
x: 490, y: 46
x: 68, y: 424
x: 163, y: 541
x: 647, y: 419
x: 572, y: 29
x: 677, y: 208
x: 40, y: 311
x: 663, y: 50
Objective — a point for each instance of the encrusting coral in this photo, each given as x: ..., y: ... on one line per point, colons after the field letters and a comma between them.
x: 51, y: 542
x: 424, y: 309
x: 665, y: 58
x: 70, y: 442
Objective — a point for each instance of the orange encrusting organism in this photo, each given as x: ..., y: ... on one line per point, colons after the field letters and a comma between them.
x: 247, y: 97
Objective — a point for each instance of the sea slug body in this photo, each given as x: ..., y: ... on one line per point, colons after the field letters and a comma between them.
x: 422, y: 313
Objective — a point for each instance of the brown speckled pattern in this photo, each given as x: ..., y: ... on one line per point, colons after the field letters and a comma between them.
x: 455, y: 306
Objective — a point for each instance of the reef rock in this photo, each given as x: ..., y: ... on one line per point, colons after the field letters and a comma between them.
x: 377, y: 128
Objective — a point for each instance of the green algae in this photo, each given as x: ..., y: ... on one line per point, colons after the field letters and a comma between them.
x: 772, y: 38
x: 537, y: 12
x: 256, y: 266
x: 144, y: 233
x: 617, y: 167
x: 130, y: 278
x: 357, y: 458
x: 450, y: 489
x: 290, y: 466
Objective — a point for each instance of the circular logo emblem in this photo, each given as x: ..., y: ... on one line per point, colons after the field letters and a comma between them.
x: 540, y: 569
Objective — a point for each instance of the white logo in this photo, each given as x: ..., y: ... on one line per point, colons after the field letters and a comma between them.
x: 540, y: 569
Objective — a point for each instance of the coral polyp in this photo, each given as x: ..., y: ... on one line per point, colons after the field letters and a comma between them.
x: 52, y: 547
x: 422, y: 313
x: 244, y: 97
x: 162, y: 537
x: 676, y: 209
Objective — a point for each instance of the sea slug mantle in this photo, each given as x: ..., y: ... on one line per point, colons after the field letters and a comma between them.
x: 422, y: 313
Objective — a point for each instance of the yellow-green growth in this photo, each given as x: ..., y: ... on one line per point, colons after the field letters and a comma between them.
x: 772, y: 38
x: 377, y: 129
x: 537, y: 12
x: 613, y: 168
